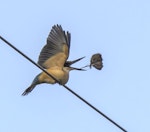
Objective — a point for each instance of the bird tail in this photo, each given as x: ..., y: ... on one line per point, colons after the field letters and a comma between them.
x: 28, y: 90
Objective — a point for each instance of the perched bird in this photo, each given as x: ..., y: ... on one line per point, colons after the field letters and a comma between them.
x: 53, y: 58
x: 96, y: 61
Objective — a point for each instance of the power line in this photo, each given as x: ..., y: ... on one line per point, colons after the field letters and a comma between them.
x: 94, y: 108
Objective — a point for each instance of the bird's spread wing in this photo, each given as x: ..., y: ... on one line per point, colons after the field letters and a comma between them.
x: 96, y: 61
x: 56, y: 51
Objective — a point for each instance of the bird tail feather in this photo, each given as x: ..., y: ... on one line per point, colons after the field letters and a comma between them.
x: 28, y: 90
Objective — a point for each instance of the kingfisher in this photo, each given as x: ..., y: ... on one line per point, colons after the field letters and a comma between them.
x: 53, y: 58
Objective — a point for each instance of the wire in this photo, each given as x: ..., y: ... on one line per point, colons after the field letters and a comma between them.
x: 25, y: 56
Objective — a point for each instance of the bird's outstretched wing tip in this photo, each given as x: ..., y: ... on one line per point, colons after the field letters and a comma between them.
x: 58, y: 41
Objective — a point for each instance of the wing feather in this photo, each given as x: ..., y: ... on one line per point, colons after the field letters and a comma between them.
x: 56, y: 51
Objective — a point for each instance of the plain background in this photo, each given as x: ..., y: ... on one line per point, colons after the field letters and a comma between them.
x: 118, y: 29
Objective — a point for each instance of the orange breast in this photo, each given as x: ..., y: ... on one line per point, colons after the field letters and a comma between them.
x: 58, y: 73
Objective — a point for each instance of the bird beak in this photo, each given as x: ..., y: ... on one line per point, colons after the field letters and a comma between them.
x: 79, y: 69
x: 69, y: 63
x: 77, y: 60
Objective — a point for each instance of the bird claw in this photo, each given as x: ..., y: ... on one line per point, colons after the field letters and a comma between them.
x: 59, y: 82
